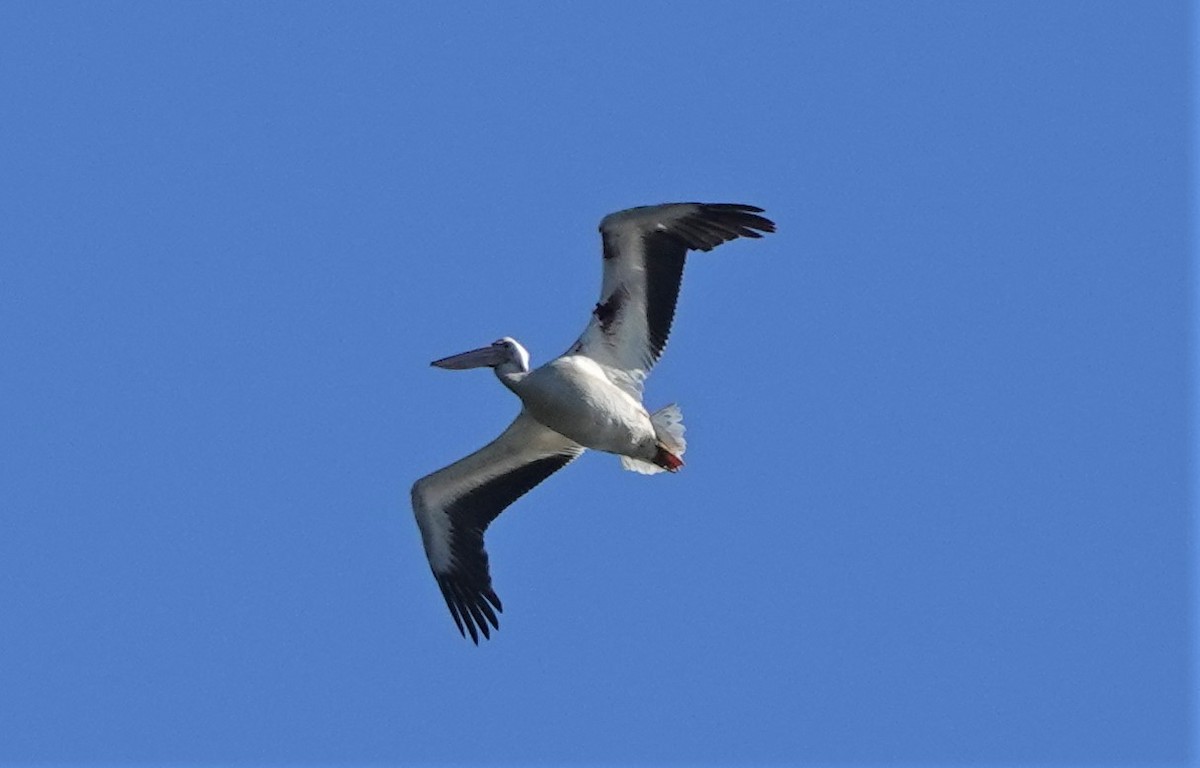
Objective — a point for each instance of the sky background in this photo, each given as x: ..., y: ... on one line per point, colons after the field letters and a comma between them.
x: 937, y: 501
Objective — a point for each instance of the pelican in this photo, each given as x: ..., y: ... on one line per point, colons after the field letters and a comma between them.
x: 589, y: 397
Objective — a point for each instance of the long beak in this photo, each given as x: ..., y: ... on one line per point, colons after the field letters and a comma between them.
x: 476, y: 358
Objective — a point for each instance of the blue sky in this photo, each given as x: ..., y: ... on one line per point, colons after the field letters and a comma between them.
x: 937, y: 501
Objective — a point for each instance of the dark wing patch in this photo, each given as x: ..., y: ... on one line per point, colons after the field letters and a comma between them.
x: 467, y: 586
x: 665, y: 257
x: 666, y: 250
x: 609, y: 245
x: 607, y: 311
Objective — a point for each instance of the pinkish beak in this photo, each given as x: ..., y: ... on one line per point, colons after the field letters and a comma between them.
x: 476, y: 358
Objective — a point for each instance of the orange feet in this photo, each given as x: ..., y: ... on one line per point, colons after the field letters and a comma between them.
x: 667, y: 460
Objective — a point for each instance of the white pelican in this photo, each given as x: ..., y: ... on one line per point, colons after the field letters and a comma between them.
x: 590, y: 397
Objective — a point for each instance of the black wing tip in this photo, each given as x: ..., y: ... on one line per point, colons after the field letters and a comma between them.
x: 705, y: 210
x: 740, y: 214
x: 733, y: 207
x: 470, y: 606
x: 711, y: 224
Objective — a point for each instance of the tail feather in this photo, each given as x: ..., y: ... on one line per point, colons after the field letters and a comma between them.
x: 641, y: 467
x: 668, y: 426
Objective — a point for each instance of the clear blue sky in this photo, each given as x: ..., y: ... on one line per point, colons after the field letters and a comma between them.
x: 936, y: 507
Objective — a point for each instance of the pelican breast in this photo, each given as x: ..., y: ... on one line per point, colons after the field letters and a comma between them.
x: 573, y: 396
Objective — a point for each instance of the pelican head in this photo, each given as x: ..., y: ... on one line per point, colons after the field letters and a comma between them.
x: 506, y: 355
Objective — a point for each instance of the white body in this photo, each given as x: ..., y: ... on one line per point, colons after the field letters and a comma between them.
x: 572, y: 396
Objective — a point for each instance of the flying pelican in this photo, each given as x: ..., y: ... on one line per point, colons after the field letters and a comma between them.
x: 590, y: 397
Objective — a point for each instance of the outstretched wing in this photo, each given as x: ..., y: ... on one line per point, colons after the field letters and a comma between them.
x: 455, y: 505
x: 644, y: 253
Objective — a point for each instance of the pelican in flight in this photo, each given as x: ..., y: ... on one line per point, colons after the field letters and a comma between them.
x: 590, y: 397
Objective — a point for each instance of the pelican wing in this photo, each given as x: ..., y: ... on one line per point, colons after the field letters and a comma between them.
x: 644, y: 253
x: 455, y: 505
